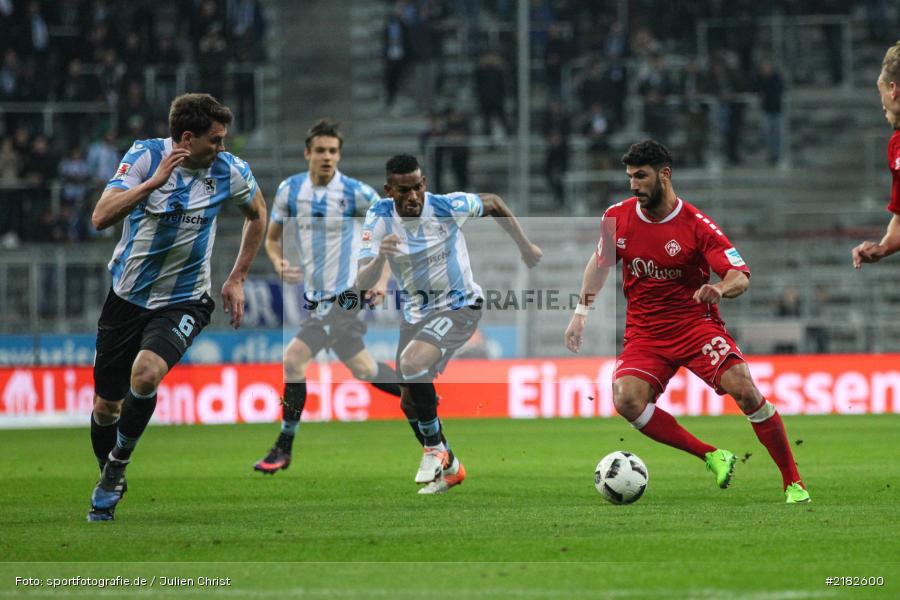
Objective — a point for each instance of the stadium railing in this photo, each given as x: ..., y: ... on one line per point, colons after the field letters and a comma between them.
x: 793, y: 41
x: 51, y: 109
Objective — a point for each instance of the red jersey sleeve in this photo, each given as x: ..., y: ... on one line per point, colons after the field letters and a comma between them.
x: 717, y: 249
x: 606, y: 252
x: 894, y: 166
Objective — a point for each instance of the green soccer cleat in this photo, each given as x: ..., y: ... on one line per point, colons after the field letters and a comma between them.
x: 795, y: 494
x: 721, y: 462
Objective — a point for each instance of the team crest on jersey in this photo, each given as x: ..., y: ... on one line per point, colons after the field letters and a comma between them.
x: 620, y: 243
x: 437, y: 229
x: 897, y: 164
x: 673, y: 247
x: 209, y: 185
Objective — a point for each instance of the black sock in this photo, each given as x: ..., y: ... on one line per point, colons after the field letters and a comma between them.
x: 410, y: 411
x: 136, y: 413
x: 103, y: 439
x: 414, y: 424
x: 425, y: 402
x: 292, y: 410
x: 386, y: 380
x: 411, y: 417
x: 294, y: 400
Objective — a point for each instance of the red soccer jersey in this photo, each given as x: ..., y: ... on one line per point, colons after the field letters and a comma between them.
x: 664, y: 263
x: 893, y: 154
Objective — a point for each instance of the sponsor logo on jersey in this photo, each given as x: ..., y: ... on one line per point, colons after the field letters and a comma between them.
x: 122, y: 171
x: 648, y: 268
x: 438, y: 258
x: 734, y: 257
x: 209, y: 185
x: 673, y: 247
x: 897, y: 164
x: 178, y: 217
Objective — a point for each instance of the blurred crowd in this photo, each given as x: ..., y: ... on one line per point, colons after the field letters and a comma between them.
x: 588, y: 60
x: 115, y: 66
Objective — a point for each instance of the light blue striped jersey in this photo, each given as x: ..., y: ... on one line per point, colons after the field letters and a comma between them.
x: 164, y: 254
x: 320, y: 219
x: 433, y: 270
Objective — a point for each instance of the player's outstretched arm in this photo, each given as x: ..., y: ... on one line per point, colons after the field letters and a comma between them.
x: 251, y: 238
x: 115, y: 203
x: 287, y: 272
x: 870, y: 252
x: 733, y: 285
x: 591, y: 283
x: 494, y: 206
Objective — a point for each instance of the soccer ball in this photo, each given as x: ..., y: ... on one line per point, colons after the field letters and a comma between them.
x: 621, y: 477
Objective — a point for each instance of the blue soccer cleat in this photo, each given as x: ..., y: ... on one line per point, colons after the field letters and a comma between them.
x: 109, y: 491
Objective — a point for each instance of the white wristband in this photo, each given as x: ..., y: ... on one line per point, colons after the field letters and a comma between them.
x: 582, y: 309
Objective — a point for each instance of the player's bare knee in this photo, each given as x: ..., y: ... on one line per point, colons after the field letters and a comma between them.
x: 629, y: 406
x: 744, y: 392
x: 106, y: 412
x: 295, y: 367
x: 629, y: 399
x: 294, y: 372
x: 411, y: 366
x: 145, y: 377
x: 748, y: 397
x: 364, y: 373
x: 296, y: 360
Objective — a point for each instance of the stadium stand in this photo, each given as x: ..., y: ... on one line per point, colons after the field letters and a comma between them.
x: 794, y: 220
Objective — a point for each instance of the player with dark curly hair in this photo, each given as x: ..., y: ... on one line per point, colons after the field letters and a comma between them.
x: 668, y: 249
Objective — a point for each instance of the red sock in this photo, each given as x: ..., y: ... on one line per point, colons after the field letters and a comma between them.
x: 772, y: 435
x: 663, y: 427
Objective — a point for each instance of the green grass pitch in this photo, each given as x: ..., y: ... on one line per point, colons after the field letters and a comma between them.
x: 345, y: 520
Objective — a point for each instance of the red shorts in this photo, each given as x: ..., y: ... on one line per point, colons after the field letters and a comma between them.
x: 705, y: 348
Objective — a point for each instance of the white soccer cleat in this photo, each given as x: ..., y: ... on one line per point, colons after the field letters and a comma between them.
x: 451, y: 476
x: 433, y: 462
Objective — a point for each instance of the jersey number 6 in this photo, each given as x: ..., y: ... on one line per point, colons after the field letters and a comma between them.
x: 187, y: 325
x: 716, y: 349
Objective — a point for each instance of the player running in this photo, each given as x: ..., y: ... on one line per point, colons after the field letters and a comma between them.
x: 419, y: 235
x: 889, y: 88
x: 319, y: 207
x: 668, y: 248
x: 169, y: 192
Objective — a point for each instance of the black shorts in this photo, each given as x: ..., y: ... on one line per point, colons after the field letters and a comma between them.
x: 124, y: 329
x: 448, y: 330
x: 335, y: 325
